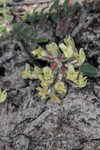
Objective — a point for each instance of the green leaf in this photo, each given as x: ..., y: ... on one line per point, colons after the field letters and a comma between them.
x: 33, y: 18
x: 88, y: 69
x: 25, y: 16
x: 2, y: 21
x: 9, y: 18
x: 3, y: 29
x: 22, y: 31
x: 55, y: 17
x: 4, y: 10
x: 42, y: 15
x: 75, y: 6
x: 42, y: 11
x: 3, y: 1
x: 42, y: 40
x: 65, y: 8
x: 54, y: 6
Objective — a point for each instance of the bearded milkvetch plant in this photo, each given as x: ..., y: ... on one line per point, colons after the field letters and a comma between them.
x: 66, y: 63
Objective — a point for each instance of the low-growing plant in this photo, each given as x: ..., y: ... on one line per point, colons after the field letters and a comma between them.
x: 54, y: 11
x: 35, y: 16
x: 66, y: 66
x: 23, y: 31
x: 5, y: 17
x: 61, y: 12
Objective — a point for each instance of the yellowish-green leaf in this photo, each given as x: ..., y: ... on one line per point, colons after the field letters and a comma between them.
x: 2, y: 21
x: 68, y: 51
x: 47, y: 72
x: 3, y: 29
x: 70, y: 42
x: 42, y: 92
x: 82, y: 81
x: 56, y: 99
x: 4, y: 10
x: 60, y: 87
x: 3, y: 1
x: 39, y: 52
x: 37, y: 73
x: 26, y: 74
x: 80, y: 57
x: 45, y: 83
x: 3, y: 95
x: 52, y: 48
x: 71, y: 73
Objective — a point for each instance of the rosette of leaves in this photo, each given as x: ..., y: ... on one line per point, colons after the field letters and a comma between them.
x: 23, y: 31
x: 5, y: 17
x: 66, y: 66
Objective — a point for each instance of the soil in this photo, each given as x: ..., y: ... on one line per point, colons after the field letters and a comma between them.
x: 27, y: 122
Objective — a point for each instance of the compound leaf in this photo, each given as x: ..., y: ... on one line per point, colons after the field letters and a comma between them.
x: 65, y: 8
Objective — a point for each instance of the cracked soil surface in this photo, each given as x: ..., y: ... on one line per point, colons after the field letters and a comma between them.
x: 26, y: 122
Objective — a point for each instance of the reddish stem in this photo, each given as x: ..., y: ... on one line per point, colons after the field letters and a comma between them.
x: 50, y: 57
x: 53, y: 66
x: 59, y: 57
x: 63, y: 68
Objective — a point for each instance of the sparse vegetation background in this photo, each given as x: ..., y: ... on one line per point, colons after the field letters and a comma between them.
x: 49, y: 75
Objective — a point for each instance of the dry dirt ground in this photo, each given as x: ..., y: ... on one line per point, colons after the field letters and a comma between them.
x: 26, y: 122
